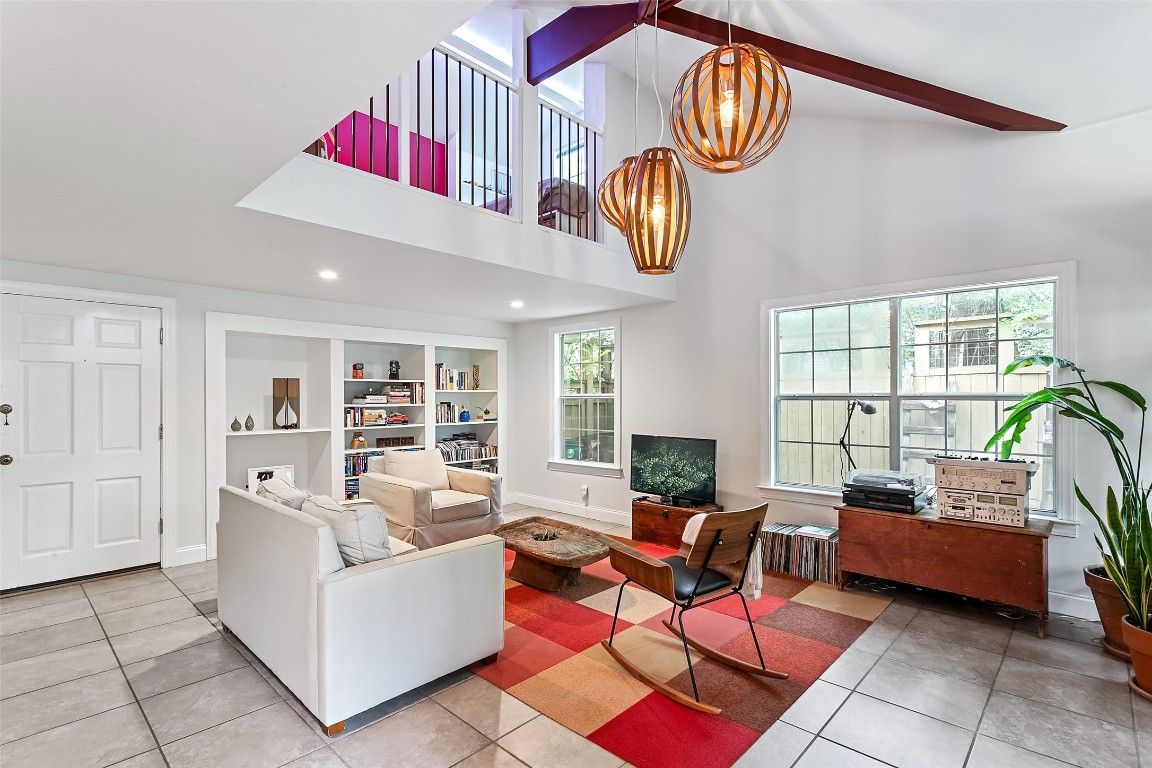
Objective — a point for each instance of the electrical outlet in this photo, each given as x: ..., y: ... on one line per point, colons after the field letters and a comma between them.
x: 584, y: 493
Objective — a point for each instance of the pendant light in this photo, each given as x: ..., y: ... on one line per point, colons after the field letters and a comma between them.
x: 658, y: 209
x: 730, y: 108
x: 610, y: 196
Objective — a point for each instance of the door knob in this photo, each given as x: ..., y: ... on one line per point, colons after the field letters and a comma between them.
x: 5, y: 460
x: 5, y: 409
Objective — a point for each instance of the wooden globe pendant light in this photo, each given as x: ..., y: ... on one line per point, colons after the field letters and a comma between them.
x: 730, y: 108
x: 658, y: 211
x: 610, y: 196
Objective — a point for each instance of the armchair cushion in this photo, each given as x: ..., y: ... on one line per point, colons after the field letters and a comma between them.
x: 281, y: 492
x: 361, y: 533
x: 456, y: 505
x: 425, y: 467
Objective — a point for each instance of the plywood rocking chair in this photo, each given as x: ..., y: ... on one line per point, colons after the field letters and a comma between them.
x: 713, y: 568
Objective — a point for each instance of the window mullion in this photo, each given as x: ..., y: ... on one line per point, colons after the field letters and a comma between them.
x: 895, y: 366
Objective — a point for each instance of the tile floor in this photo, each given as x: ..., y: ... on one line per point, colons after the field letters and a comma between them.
x: 132, y: 671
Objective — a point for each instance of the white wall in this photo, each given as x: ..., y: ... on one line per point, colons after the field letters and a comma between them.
x: 186, y: 522
x: 844, y: 204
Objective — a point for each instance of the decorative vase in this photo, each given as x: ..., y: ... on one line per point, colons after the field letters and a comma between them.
x: 286, y: 418
x: 236, y: 425
x: 1111, y: 609
x: 464, y: 415
x: 1139, y: 642
x: 249, y: 423
x: 475, y: 377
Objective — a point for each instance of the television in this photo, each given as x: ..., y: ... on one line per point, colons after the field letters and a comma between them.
x: 680, y: 470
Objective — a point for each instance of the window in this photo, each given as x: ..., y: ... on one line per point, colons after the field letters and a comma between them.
x: 930, y: 363
x: 587, y: 411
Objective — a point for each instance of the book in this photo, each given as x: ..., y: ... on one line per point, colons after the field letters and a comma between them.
x: 816, y: 531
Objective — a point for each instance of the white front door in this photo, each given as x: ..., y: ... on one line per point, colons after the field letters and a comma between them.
x: 80, y: 477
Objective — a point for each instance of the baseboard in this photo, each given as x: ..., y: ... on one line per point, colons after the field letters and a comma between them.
x: 1080, y: 606
x: 186, y: 556
x: 570, y: 508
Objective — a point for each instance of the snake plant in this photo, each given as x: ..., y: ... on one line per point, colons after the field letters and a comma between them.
x: 1125, y: 538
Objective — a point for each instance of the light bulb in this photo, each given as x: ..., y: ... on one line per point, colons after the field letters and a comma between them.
x: 728, y: 104
x: 657, y: 210
x: 727, y: 107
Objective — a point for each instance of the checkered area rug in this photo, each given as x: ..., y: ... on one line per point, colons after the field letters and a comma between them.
x: 552, y: 660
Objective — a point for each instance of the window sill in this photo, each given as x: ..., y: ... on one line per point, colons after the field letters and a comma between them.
x: 1069, y: 528
x: 586, y: 468
x: 800, y: 495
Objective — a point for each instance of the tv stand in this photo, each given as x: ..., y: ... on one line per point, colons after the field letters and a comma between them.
x: 661, y: 523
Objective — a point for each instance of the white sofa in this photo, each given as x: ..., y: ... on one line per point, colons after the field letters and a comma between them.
x: 346, y: 639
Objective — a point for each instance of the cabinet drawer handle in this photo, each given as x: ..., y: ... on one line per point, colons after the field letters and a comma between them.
x: 664, y: 513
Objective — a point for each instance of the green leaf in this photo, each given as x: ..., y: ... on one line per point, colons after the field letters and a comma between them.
x: 1045, y: 360
x: 1124, y: 390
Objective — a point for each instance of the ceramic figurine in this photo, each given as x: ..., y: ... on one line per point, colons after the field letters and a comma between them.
x: 250, y: 423
x: 464, y: 415
x: 236, y: 425
x: 357, y: 370
x: 358, y: 441
x: 393, y: 369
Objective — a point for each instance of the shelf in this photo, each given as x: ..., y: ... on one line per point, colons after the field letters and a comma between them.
x: 384, y: 405
x: 464, y: 423
x: 386, y: 381
x: 277, y: 431
x: 471, y: 461
x: 465, y: 391
x: 381, y: 426
x: 348, y: 451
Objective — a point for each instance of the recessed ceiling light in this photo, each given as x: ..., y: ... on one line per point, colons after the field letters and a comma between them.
x: 328, y: 274
x: 516, y: 304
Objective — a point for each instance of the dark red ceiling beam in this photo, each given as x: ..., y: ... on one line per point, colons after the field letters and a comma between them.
x: 581, y: 31
x: 856, y: 75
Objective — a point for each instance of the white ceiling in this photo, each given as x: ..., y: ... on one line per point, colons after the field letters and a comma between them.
x: 130, y: 130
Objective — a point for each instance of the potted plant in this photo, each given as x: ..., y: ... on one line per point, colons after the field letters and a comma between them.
x: 1125, y: 539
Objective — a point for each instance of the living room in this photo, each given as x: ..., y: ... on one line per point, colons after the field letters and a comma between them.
x: 155, y: 204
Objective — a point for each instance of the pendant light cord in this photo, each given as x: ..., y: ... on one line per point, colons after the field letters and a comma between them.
x: 729, y: 23
x: 636, y: 78
x: 655, y: 67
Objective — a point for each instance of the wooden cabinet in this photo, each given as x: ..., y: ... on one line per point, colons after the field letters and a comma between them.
x: 663, y: 523
x: 990, y: 562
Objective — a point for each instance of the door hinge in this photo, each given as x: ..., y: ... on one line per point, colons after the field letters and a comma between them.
x: 161, y: 335
x: 161, y: 431
x: 161, y: 525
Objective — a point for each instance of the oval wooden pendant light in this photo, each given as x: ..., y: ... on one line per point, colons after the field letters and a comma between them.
x: 658, y: 211
x: 610, y: 196
x: 730, y: 108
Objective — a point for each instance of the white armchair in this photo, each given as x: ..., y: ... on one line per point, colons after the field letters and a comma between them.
x: 428, y: 503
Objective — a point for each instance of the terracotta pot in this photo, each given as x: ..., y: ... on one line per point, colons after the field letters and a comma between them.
x: 1111, y: 609
x: 1140, y: 645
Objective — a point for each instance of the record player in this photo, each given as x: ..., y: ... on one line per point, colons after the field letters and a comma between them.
x: 887, y: 490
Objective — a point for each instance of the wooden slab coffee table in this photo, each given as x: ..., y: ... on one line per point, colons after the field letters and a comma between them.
x: 552, y: 564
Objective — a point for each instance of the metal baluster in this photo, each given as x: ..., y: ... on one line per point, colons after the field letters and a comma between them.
x: 419, y: 180
x: 484, y: 165
x: 459, y: 130
x: 371, y: 134
x: 388, y: 131
x: 472, y: 124
x: 432, y: 132
x: 508, y: 144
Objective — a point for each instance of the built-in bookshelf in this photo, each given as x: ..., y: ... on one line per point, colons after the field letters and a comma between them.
x: 346, y: 385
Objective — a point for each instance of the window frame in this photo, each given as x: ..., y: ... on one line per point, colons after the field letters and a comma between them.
x: 1067, y: 514
x: 556, y: 460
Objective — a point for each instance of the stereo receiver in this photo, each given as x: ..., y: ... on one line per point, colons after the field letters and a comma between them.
x: 961, y: 474
x: 1002, y: 509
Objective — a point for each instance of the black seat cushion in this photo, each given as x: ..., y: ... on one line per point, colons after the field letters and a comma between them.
x: 684, y: 578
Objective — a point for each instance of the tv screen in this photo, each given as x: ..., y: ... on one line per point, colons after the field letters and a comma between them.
x: 676, y: 467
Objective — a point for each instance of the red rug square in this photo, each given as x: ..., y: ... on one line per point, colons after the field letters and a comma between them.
x: 803, y: 659
x: 568, y: 624
x: 730, y: 606
x: 604, y: 570
x: 656, y: 732
x: 754, y: 702
x: 525, y: 654
x: 708, y: 627
x: 815, y: 623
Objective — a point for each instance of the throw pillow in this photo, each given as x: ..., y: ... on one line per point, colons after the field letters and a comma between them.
x: 277, y: 490
x: 361, y: 533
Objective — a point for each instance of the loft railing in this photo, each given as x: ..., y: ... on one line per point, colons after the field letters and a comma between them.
x: 458, y: 119
x: 569, y: 174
